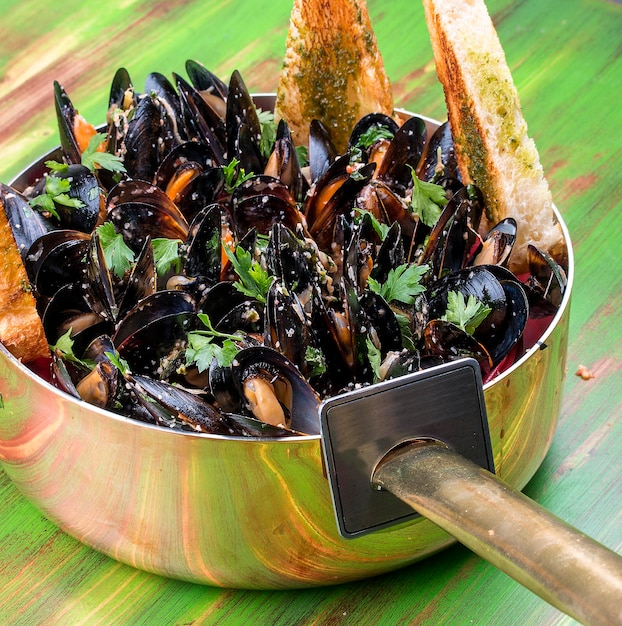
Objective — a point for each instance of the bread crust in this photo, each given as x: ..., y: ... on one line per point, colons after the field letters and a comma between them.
x: 493, y: 148
x: 332, y: 70
x: 21, y: 330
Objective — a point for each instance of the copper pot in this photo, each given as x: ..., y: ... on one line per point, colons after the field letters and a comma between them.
x: 231, y: 512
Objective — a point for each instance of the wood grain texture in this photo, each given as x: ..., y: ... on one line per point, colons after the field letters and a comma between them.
x: 566, y: 59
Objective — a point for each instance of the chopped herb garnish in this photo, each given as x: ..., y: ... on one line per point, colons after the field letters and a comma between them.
x: 381, y: 228
x: 316, y: 359
x: 119, y: 362
x: 56, y: 191
x: 64, y: 348
x: 119, y: 256
x: 372, y: 135
x: 253, y: 281
x: 166, y: 254
x: 467, y: 315
x: 428, y: 199
x: 92, y: 158
x: 375, y: 358
x: 406, y: 331
x: 268, y: 131
x: 403, y: 283
x: 234, y: 177
x: 202, y: 350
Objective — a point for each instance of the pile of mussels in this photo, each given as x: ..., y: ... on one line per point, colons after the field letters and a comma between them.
x: 291, y: 281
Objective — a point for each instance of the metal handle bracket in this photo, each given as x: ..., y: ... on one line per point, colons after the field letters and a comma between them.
x: 443, y: 403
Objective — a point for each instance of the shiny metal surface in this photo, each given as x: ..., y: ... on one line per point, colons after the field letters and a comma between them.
x: 232, y: 512
x: 545, y: 554
x: 359, y: 428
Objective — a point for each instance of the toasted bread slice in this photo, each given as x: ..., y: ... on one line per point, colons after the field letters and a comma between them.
x: 489, y: 130
x: 21, y: 330
x: 332, y: 70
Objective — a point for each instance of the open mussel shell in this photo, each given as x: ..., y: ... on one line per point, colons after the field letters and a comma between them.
x: 68, y: 310
x: 152, y: 335
x: 230, y: 310
x: 206, y: 82
x: 371, y: 122
x: 259, y: 203
x: 334, y: 195
x: 139, y: 209
x: 187, y: 407
x: 450, y: 342
x: 57, y: 259
x: 454, y: 238
x: 189, y: 177
x: 103, y: 384
x: 547, y: 278
x: 478, y: 282
x: 497, y: 244
x: 265, y: 379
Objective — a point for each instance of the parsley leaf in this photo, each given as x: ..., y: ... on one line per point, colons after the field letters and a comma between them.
x: 403, y: 283
x: 375, y: 358
x: 56, y: 191
x: 166, y: 254
x: 202, y: 350
x: 92, y: 159
x: 467, y: 315
x: 119, y: 362
x: 428, y: 199
x: 119, y: 256
x: 64, y: 348
x: 372, y: 135
x: 381, y: 228
x: 268, y: 131
x: 253, y: 281
x: 233, y: 177
x: 55, y: 166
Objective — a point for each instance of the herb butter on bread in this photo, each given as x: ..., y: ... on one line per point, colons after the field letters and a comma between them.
x: 332, y: 70
x: 21, y: 330
x: 493, y: 148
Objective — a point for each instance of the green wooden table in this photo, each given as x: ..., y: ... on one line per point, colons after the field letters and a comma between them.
x: 566, y: 58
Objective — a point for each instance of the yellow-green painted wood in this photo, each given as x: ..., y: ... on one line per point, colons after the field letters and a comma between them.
x: 566, y: 58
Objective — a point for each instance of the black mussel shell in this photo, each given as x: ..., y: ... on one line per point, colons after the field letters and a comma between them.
x: 142, y: 143
x: 405, y: 149
x: 259, y: 203
x: 450, y: 342
x: 322, y: 151
x: 57, y: 259
x: 429, y: 167
x: 284, y: 165
x: 26, y: 223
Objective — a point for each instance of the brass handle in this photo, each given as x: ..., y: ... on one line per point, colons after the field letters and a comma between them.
x: 563, y: 566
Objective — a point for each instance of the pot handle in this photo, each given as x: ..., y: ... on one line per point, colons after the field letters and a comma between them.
x: 563, y: 566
